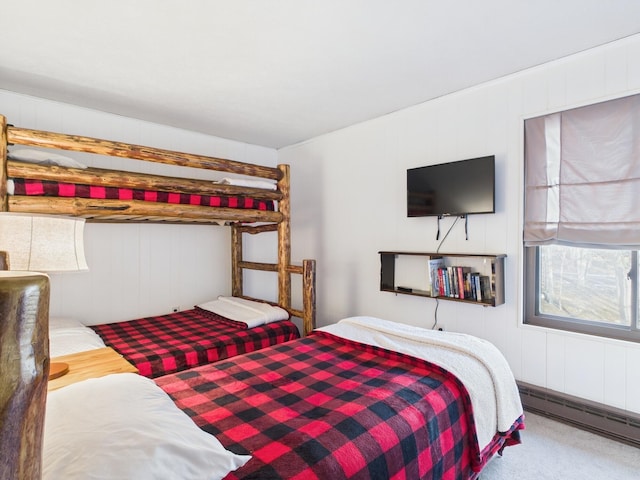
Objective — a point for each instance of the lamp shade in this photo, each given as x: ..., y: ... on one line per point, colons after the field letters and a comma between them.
x: 43, y: 243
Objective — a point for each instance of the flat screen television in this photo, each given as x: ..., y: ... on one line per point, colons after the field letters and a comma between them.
x: 456, y: 188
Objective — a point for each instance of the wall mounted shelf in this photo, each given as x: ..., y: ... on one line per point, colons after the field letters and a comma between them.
x: 475, y: 265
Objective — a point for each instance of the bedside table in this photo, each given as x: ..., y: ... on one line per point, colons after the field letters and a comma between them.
x: 90, y: 364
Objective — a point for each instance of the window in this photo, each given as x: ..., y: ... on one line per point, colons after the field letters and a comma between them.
x: 586, y: 290
x: 582, y: 220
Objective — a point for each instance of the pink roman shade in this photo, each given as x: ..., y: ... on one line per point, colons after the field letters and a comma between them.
x: 582, y: 176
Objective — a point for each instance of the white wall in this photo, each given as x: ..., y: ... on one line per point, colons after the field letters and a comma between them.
x: 348, y: 197
x: 139, y: 270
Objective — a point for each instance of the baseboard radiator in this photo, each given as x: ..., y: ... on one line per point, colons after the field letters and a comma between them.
x: 604, y: 420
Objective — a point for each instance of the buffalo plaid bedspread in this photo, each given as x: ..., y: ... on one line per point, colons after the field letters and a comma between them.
x: 171, y: 343
x: 326, y: 408
x: 49, y: 188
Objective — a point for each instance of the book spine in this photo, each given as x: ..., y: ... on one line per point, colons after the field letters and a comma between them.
x: 447, y: 283
x: 476, y: 281
x: 435, y: 264
x: 467, y: 284
x: 460, y: 282
x: 454, y: 281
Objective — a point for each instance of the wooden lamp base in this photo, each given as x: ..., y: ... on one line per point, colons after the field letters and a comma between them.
x: 57, y: 369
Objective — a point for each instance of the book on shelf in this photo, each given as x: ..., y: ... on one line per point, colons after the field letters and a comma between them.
x: 475, y: 284
x: 481, y: 287
x: 435, y: 264
x: 452, y: 282
x: 468, y: 292
x: 447, y: 282
x: 441, y: 284
x: 459, y: 282
x: 462, y: 283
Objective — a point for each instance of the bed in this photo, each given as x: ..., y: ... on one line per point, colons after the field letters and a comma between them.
x: 177, y: 341
x: 37, y: 178
x: 363, y: 398
x: 39, y: 174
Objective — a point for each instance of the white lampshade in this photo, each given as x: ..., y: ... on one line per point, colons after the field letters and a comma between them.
x: 43, y: 243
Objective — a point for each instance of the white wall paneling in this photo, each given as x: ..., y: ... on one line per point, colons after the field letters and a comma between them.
x: 555, y: 361
x: 349, y: 203
x: 615, y: 375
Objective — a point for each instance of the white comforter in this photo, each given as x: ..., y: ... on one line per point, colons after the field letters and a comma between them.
x: 124, y: 427
x: 477, y: 363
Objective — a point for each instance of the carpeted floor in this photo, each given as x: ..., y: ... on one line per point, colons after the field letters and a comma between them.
x: 551, y: 450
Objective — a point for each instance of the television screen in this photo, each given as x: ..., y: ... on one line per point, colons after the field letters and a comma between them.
x: 454, y: 188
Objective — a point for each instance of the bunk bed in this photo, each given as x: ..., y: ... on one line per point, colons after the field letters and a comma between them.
x: 107, y: 196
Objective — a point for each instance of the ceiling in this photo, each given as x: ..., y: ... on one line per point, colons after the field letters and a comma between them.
x: 278, y: 72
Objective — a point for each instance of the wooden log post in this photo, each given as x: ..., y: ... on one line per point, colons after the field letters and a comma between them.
x: 309, y: 295
x: 237, y: 284
x: 3, y: 166
x: 284, y: 239
x: 24, y: 364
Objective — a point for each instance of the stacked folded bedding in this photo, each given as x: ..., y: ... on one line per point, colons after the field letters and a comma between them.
x: 246, y: 311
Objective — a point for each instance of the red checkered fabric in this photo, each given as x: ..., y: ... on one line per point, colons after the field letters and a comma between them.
x: 326, y: 408
x: 49, y: 188
x: 171, y: 343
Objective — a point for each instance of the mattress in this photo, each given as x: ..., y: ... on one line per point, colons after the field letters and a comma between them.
x: 28, y: 187
x: 170, y: 343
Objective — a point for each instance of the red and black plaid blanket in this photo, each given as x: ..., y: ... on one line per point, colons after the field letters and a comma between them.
x: 323, y: 408
x: 49, y: 188
x: 171, y: 343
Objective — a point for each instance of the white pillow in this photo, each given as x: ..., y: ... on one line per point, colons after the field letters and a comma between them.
x: 68, y: 335
x: 42, y: 157
x: 123, y: 426
x: 65, y: 341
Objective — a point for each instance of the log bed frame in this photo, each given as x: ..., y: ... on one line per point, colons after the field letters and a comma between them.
x: 109, y: 210
x: 27, y: 429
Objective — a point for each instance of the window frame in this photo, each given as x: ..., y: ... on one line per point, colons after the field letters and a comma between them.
x: 532, y: 315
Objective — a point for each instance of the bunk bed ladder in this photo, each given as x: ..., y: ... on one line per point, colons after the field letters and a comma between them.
x: 284, y: 268
x: 307, y: 270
